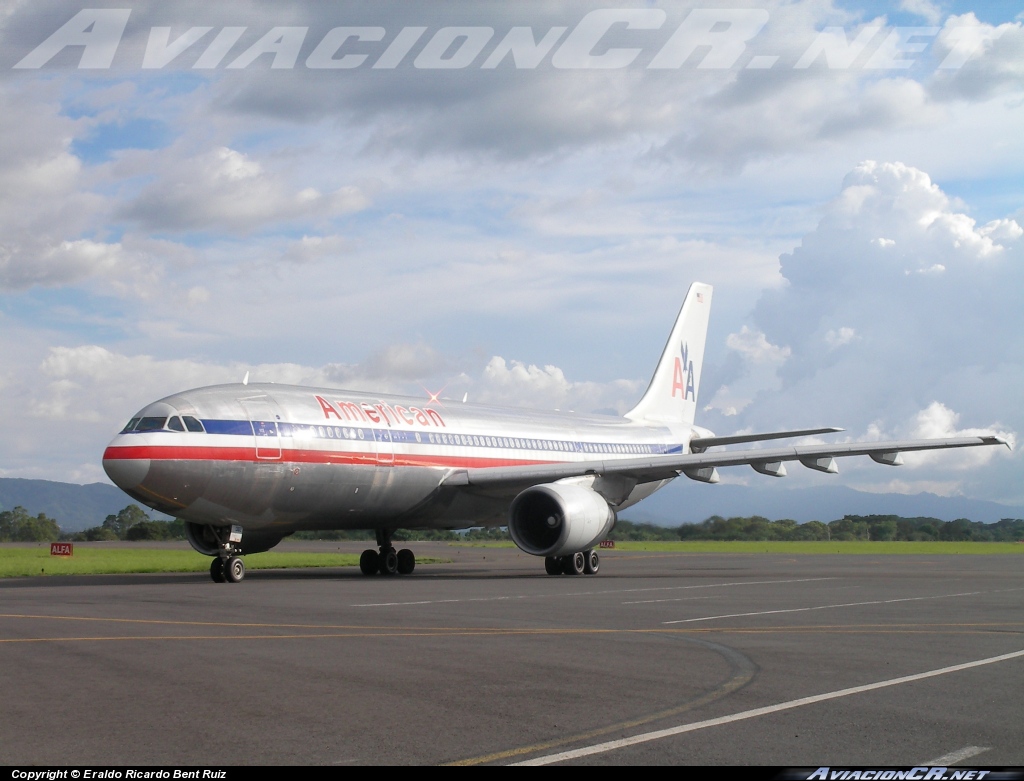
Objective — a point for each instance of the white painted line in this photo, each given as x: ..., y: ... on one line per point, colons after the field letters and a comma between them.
x: 825, y: 607
x: 957, y: 756
x: 669, y: 599
x: 611, y: 745
x: 592, y: 593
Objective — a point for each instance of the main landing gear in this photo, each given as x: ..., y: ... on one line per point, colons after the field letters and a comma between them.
x: 226, y: 566
x: 386, y: 560
x: 582, y: 563
x: 230, y: 569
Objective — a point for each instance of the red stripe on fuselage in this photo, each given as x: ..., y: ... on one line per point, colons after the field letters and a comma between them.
x: 181, y: 453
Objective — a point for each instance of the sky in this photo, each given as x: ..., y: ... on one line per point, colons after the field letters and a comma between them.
x: 509, y: 201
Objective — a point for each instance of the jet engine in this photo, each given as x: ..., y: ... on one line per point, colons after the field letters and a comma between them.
x: 204, y: 539
x: 558, y: 519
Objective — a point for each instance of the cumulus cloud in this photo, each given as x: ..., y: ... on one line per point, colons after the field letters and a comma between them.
x: 927, y: 313
x: 751, y: 367
x: 755, y: 347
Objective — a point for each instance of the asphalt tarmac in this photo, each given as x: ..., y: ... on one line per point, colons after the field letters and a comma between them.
x: 661, y: 658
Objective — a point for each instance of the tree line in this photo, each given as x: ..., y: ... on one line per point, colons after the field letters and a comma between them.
x: 882, y: 528
x: 134, y: 524
x: 131, y: 523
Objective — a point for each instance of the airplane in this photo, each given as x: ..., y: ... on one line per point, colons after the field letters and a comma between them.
x: 245, y: 465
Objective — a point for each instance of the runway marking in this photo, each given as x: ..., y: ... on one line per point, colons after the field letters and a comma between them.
x: 743, y: 672
x: 830, y: 607
x: 957, y: 756
x: 589, y: 593
x: 667, y: 599
x: 600, y: 748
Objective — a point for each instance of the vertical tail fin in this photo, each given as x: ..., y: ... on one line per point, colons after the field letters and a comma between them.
x: 672, y: 395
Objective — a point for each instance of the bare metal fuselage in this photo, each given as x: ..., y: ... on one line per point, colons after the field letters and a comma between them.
x: 282, y: 458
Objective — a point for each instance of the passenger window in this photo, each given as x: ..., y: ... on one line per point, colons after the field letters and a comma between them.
x: 192, y: 424
x: 175, y: 424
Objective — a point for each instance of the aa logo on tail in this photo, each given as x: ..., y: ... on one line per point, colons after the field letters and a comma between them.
x: 681, y: 383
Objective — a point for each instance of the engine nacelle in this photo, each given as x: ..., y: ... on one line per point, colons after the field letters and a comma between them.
x: 558, y: 519
x: 202, y: 538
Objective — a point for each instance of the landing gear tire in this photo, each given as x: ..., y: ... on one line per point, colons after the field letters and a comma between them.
x: 217, y: 570
x: 592, y: 562
x: 406, y: 561
x: 234, y: 570
x: 388, y: 563
x: 575, y: 564
x: 553, y: 565
x: 369, y: 562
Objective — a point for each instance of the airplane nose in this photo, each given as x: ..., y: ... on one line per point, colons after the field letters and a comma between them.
x: 125, y: 473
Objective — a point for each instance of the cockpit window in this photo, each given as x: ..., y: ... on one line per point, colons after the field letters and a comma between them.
x: 192, y: 424
x: 131, y: 425
x: 150, y: 424
x: 175, y: 424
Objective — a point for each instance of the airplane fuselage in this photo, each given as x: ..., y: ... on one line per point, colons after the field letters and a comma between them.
x: 282, y: 458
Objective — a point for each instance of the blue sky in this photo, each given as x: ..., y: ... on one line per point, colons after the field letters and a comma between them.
x: 521, y: 234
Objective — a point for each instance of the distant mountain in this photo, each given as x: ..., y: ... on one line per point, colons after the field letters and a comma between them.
x: 73, y: 507
x: 686, y: 502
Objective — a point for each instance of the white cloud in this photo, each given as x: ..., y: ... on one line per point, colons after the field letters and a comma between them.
x: 526, y: 385
x: 755, y: 372
x: 309, y: 249
x: 755, y: 347
x: 837, y: 338
x: 926, y: 9
x: 929, y: 314
x: 1005, y: 230
x: 225, y: 189
x: 977, y: 59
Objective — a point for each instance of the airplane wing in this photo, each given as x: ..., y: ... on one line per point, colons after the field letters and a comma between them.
x: 702, y: 466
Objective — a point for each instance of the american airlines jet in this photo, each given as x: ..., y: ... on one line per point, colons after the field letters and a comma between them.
x: 246, y: 465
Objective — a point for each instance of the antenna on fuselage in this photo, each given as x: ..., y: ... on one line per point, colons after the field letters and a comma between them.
x: 245, y: 379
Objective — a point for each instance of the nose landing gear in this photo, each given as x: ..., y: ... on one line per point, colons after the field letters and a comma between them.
x: 226, y: 566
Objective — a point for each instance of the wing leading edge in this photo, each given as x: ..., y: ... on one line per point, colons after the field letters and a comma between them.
x: 702, y: 466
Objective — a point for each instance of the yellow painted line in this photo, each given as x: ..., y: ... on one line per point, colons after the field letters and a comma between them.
x: 310, y: 636
x: 526, y: 631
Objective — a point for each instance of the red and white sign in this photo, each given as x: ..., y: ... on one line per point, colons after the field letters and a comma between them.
x: 607, y: 544
x: 62, y: 549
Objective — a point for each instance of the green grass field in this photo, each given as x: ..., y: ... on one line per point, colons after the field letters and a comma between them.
x: 876, y: 548
x: 36, y: 561
x: 22, y: 562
